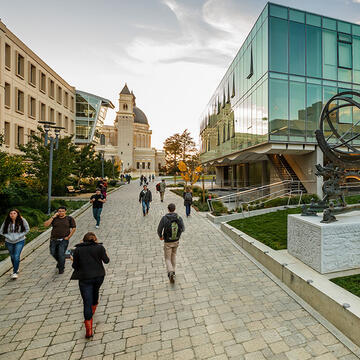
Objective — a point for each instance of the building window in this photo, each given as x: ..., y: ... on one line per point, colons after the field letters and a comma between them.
x: 51, y: 89
x: 58, y: 119
x: 20, y: 62
x: 66, y: 123
x: 138, y: 165
x: 19, y: 106
x: 148, y: 165
x: 32, y: 107
x: 125, y: 107
x: 32, y: 74
x: 72, y: 126
x: 143, y: 165
x: 59, y: 95
x: 42, y: 112
x: 51, y: 115
x: 7, y: 56
x: 7, y: 133
x: 159, y: 166
x: 72, y: 104
x: 19, y: 136
x: 66, y: 99
x: 42, y: 82
x: 345, y: 51
x: 7, y: 95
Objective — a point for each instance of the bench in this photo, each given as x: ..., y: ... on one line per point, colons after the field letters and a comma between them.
x: 72, y: 190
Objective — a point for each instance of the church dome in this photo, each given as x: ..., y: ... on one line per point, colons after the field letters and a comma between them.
x: 140, y: 117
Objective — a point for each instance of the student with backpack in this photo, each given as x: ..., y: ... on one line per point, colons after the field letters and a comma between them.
x: 170, y: 228
x: 188, y: 199
x: 160, y: 187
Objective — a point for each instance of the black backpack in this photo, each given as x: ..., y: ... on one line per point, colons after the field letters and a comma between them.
x: 172, y: 229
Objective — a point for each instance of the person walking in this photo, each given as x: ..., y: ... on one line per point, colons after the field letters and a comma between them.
x: 141, y: 180
x: 153, y: 177
x: 14, y: 229
x: 188, y: 199
x: 97, y: 200
x: 162, y: 189
x: 170, y: 228
x: 145, y: 198
x: 63, y: 228
x: 88, y: 258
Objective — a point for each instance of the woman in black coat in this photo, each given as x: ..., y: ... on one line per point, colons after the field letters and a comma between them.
x: 88, y: 258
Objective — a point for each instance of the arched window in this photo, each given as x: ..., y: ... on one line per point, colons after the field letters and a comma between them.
x: 125, y: 106
x: 102, y: 139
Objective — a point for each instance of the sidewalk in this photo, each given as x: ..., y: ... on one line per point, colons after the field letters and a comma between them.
x: 221, y: 307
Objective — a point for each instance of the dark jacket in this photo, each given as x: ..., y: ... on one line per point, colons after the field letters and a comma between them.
x: 168, y: 218
x: 88, y: 261
x: 146, y: 196
x: 186, y: 202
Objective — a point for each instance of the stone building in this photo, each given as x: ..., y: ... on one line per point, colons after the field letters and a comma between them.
x: 129, y: 139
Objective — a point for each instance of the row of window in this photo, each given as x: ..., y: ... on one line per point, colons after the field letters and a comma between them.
x: 32, y: 112
x: 142, y: 165
x: 18, y: 136
x: 45, y: 85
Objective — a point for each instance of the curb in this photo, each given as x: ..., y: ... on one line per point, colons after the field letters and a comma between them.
x: 6, y: 264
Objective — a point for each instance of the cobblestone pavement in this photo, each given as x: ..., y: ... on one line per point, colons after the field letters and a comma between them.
x: 221, y: 307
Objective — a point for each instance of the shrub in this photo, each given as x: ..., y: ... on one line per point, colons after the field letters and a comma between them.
x: 219, y: 208
x: 200, y: 206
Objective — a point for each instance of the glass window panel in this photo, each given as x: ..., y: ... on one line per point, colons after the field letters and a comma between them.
x: 329, y: 83
x: 258, y: 55
x: 297, y: 48
x: 278, y: 45
x: 356, y: 30
x: 313, y: 110
x: 278, y: 76
x: 345, y: 114
x: 356, y: 59
x: 313, y: 51
x: 297, y: 78
x: 344, y: 27
x: 265, y: 46
x: 297, y: 111
x: 278, y: 108
x: 344, y: 75
x: 313, y: 81
x: 314, y: 20
x: 329, y: 92
x: 278, y: 11
x: 345, y: 55
x: 330, y: 54
x: 296, y: 15
x: 329, y: 23
x: 344, y: 38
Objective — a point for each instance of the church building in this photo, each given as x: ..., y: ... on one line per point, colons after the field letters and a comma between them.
x: 128, y: 141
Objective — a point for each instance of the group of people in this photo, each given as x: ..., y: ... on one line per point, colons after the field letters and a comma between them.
x: 145, y: 180
x: 89, y: 256
x: 126, y: 177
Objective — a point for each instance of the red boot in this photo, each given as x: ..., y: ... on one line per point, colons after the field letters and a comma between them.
x: 93, y: 307
x: 88, y: 328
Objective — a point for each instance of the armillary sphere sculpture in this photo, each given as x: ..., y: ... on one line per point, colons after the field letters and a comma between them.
x: 339, y: 149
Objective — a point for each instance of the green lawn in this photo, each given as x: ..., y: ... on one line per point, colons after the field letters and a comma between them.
x: 270, y: 229
x: 349, y: 283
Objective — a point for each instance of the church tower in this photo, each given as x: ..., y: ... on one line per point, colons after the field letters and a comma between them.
x: 125, y: 128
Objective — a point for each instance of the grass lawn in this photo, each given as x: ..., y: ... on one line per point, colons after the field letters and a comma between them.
x: 349, y: 283
x: 270, y: 229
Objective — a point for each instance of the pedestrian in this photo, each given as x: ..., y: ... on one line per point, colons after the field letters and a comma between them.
x: 100, y: 183
x: 170, y: 228
x: 129, y: 178
x: 188, y: 199
x: 141, y: 180
x: 88, y: 258
x: 14, y: 229
x: 162, y: 187
x: 149, y: 178
x: 145, y: 198
x: 63, y: 228
x: 153, y: 177
x: 97, y: 200
x: 103, y: 190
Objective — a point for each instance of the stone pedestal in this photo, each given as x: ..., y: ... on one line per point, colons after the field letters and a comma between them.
x: 325, y: 247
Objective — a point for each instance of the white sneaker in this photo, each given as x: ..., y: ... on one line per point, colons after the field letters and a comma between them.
x: 14, y: 276
x: 97, y: 226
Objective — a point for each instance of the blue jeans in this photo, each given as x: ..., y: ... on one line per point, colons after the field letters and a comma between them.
x: 57, y: 250
x: 97, y: 213
x: 15, y: 251
x: 187, y: 209
x: 145, y: 206
x: 89, y: 290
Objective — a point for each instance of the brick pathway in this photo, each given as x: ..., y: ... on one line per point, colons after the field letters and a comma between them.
x: 222, y: 306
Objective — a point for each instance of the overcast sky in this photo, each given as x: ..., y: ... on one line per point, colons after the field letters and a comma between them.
x: 171, y: 53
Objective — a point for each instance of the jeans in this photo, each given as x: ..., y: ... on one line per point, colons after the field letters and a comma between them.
x: 162, y: 195
x: 187, y: 209
x: 170, y: 255
x: 145, y: 206
x: 57, y: 250
x: 15, y: 251
x: 89, y: 290
x: 97, y: 213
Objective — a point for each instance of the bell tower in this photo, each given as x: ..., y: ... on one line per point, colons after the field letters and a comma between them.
x: 125, y: 126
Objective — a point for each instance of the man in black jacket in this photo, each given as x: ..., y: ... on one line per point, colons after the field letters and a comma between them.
x: 145, y: 199
x: 170, y: 228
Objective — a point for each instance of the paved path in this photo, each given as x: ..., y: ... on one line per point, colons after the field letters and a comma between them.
x: 222, y: 306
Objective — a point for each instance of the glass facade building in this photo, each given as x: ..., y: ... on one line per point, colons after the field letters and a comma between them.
x: 290, y: 64
x: 90, y: 116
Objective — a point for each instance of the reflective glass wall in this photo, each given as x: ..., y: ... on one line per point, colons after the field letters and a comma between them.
x: 289, y: 65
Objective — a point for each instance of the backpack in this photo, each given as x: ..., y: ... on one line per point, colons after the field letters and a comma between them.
x: 172, y: 229
x: 158, y: 187
x: 188, y: 197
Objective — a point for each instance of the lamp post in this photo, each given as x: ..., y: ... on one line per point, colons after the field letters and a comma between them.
x: 52, y: 140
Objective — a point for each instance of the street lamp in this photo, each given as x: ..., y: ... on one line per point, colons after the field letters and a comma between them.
x: 47, y: 127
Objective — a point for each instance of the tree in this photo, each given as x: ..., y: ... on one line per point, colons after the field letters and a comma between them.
x: 108, y: 168
x: 85, y: 159
x: 187, y: 146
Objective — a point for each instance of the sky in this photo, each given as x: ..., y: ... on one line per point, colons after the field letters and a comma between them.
x: 171, y: 53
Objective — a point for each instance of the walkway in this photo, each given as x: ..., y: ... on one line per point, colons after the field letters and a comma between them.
x: 222, y: 306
